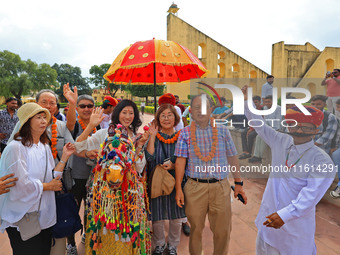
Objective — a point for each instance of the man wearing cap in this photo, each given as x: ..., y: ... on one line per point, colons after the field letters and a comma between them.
x: 302, y: 173
x: 169, y: 98
x: 109, y: 104
x: 8, y: 120
x: 205, y: 152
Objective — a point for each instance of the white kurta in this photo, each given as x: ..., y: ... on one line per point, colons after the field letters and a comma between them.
x: 294, y: 193
x: 93, y: 143
x: 29, y: 165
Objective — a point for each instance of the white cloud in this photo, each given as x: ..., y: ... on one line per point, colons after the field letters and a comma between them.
x: 85, y: 33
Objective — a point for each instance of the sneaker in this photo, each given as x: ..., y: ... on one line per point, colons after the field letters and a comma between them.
x: 159, y: 250
x: 336, y: 192
x: 186, y: 228
x: 71, y: 250
x: 172, y: 250
x: 244, y: 156
x: 255, y: 160
x: 83, y: 238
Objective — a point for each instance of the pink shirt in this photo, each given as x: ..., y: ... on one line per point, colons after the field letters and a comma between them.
x: 333, y: 88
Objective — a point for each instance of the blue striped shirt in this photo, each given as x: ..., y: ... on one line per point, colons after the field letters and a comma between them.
x: 218, y: 167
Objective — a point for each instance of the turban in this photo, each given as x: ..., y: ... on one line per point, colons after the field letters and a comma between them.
x: 110, y: 100
x: 167, y: 98
x: 315, y: 118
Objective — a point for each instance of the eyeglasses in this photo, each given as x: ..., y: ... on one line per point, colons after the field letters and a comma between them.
x: 303, y: 128
x: 164, y: 117
x: 83, y: 106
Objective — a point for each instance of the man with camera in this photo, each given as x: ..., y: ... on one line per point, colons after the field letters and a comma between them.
x: 332, y: 83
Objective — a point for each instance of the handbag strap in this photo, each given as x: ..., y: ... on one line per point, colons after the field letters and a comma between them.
x: 44, y: 176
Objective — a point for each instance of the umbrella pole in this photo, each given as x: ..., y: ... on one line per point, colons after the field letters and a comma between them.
x: 154, y: 85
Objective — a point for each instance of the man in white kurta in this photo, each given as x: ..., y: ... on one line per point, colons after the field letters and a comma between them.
x: 301, y: 176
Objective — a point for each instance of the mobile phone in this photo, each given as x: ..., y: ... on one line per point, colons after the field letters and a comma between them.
x: 238, y: 195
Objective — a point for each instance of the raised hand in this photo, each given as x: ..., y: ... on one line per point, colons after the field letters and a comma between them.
x: 153, y: 128
x: 97, y: 116
x: 245, y: 92
x: 69, y: 94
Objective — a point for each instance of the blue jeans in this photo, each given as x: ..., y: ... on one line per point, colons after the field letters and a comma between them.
x: 336, y: 160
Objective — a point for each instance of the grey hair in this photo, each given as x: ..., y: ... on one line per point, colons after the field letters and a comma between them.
x: 46, y: 91
x: 85, y: 97
x: 211, y: 104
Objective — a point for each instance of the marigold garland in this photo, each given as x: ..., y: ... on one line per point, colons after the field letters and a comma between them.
x: 197, y: 151
x: 84, y: 127
x: 54, y: 137
x: 170, y: 140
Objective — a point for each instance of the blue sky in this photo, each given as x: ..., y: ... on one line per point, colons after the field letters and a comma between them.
x: 85, y: 33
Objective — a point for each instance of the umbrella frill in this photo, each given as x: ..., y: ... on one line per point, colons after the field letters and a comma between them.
x: 135, y: 64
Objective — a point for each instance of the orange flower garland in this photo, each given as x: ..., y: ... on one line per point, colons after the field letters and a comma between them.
x: 54, y: 137
x: 84, y: 127
x: 170, y: 140
x: 197, y: 151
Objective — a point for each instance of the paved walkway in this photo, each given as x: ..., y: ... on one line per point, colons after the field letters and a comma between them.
x: 243, y: 234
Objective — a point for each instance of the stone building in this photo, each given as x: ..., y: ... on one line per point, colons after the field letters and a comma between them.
x: 292, y: 65
x: 305, y: 65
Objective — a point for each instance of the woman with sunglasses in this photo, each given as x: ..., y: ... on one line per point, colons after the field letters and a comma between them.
x: 120, y: 202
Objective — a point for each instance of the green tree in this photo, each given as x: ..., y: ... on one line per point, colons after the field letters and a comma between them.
x: 72, y: 75
x: 19, y: 77
x: 98, y: 80
x: 145, y: 90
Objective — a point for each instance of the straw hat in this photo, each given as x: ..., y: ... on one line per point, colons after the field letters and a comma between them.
x: 28, y: 110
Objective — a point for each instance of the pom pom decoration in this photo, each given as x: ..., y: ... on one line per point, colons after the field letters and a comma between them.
x: 117, y: 204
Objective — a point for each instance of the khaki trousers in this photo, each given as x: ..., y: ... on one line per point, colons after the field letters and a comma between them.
x: 212, y: 199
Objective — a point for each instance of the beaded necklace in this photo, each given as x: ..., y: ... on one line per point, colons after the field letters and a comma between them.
x: 84, y: 127
x: 197, y: 150
x: 54, y: 137
x: 170, y: 140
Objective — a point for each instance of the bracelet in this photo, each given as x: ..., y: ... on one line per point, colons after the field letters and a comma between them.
x: 62, y: 161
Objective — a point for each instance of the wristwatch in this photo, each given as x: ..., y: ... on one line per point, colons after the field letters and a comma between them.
x: 239, y: 183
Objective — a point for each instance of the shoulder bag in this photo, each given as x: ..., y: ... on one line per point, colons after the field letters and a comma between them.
x: 162, y: 182
x: 29, y: 225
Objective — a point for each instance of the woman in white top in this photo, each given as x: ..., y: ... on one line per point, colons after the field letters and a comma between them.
x: 122, y: 200
x: 29, y: 158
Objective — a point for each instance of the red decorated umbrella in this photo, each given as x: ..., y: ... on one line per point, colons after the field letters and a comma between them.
x: 154, y: 62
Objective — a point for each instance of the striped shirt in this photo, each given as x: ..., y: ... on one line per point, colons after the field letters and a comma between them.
x: 218, y: 167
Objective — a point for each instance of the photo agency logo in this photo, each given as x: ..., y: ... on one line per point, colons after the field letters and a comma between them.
x: 233, y: 92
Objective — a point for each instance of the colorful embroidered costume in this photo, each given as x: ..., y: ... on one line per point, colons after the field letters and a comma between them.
x: 117, y: 203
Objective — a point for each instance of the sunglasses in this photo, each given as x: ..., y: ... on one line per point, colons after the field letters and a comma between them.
x: 83, y: 106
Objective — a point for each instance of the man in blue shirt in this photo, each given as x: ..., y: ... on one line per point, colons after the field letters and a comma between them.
x: 267, y: 88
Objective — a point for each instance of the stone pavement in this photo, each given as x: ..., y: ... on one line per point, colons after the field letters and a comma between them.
x: 244, y: 232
